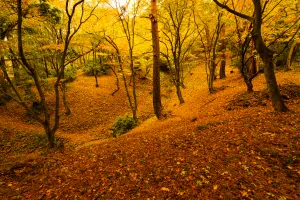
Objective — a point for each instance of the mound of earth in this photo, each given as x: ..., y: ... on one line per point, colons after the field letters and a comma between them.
x: 261, y: 98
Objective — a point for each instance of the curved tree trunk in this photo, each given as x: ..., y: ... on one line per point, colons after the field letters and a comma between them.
x: 179, y: 94
x: 266, y: 55
x: 248, y: 83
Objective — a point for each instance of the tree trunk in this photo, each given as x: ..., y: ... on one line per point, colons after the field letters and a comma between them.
x: 267, y: 56
x: 63, y: 88
x: 290, y: 57
x: 94, y: 64
x: 273, y: 89
x: 120, y: 62
x: 96, y: 78
x: 117, y: 80
x: 248, y: 83
x: 156, y: 63
x: 253, y: 68
x: 156, y: 53
x: 3, y: 88
x: 134, y: 105
x: 64, y: 97
x: 222, y: 69
x: 46, y: 67
x: 179, y: 94
x: 50, y: 134
x: 211, y: 77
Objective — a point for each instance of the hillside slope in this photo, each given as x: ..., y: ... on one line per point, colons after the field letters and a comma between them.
x: 226, y: 145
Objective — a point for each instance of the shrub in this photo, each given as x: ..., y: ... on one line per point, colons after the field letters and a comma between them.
x: 123, y: 125
x: 70, y: 73
x: 90, y: 68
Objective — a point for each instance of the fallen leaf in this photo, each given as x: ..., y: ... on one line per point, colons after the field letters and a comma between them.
x: 244, y: 193
x: 165, y: 189
x: 215, y: 187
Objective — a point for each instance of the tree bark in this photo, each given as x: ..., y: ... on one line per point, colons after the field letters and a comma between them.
x: 253, y: 69
x: 50, y: 134
x: 211, y: 76
x: 63, y: 88
x: 94, y: 65
x: 179, y: 94
x: 267, y: 56
x: 3, y: 86
x: 64, y: 95
x: 222, y: 69
x: 290, y: 55
x: 156, y: 62
x: 46, y: 67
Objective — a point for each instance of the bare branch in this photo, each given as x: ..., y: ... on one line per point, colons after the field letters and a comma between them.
x: 233, y: 11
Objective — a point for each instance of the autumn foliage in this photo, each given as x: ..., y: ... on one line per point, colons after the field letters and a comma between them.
x: 217, y: 130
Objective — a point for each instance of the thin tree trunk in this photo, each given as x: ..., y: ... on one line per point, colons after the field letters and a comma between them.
x: 289, y: 58
x: 253, y: 69
x: 134, y: 106
x: 222, y: 69
x: 50, y: 134
x: 120, y: 62
x: 117, y: 80
x: 63, y: 88
x: 211, y: 77
x: 179, y: 94
x: 94, y: 64
x: 64, y: 97
x: 3, y: 85
x: 96, y: 78
x: 46, y: 67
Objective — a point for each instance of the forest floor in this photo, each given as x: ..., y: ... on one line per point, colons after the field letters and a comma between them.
x: 226, y: 145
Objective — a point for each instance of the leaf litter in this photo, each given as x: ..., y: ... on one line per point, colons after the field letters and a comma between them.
x: 245, y: 153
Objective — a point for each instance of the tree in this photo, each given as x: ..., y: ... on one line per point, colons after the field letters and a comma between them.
x: 127, y: 17
x: 156, y: 63
x: 7, y: 25
x: 46, y: 121
x: 265, y: 53
x: 209, y: 40
x: 179, y: 35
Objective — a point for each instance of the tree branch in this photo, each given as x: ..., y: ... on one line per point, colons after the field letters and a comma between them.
x: 233, y: 11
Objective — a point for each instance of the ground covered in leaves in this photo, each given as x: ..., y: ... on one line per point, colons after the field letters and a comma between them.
x: 228, y: 145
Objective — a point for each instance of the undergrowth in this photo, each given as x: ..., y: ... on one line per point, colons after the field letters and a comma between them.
x: 123, y: 125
